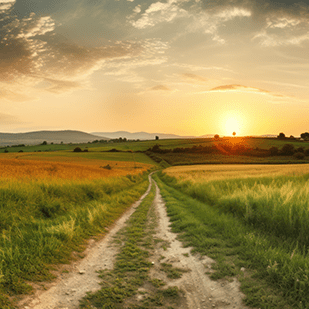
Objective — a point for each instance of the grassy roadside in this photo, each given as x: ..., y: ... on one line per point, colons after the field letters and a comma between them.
x: 121, y: 287
x: 42, y: 222
x: 273, y: 273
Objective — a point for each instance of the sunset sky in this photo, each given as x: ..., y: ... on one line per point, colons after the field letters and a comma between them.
x: 188, y: 67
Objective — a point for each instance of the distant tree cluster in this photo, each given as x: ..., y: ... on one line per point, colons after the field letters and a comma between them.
x: 78, y: 149
x: 237, y: 149
x: 113, y: 140
x: 304, y: 136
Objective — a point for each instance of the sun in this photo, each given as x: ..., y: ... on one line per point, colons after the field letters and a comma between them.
x: 233, y: 123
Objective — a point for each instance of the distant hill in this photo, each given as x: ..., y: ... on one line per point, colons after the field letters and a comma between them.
x: 207, y: 136
x: 37, y: 137
x: 139, y: 135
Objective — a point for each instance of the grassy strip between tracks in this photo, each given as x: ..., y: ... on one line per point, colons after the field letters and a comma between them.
x: 120, y: 287
x: 42, y: 222
x: 273, y: 272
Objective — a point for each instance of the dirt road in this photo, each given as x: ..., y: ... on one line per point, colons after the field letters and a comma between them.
x: 198, y: 289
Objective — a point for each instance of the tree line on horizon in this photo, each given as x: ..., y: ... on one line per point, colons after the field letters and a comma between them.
x: 304, y: 136
x: 237, y: 149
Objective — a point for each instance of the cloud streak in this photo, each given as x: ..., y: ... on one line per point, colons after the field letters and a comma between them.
x: 242, y: 88
x: 160, y: 88
x: 193, y: 78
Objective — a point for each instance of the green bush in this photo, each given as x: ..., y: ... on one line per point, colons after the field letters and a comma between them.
x: 299, y: 155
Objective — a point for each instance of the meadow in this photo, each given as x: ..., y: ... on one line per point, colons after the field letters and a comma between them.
x: 52, y: 199
x: 50, y: 204
x: 143, y: 145
x: 257, y: 213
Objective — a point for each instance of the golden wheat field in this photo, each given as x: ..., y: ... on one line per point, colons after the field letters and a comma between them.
x: 80, y: 169
x: 219, y: 172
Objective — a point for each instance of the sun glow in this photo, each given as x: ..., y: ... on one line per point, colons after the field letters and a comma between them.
x: 233, y: 123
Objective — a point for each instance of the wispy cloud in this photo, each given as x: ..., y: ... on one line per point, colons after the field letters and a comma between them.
x: 60, y: 86
x: 242, y: 88
x: 160, y: 88
x: 7, y: 119
x: 193, y: 78
x: 156, y: 13
x: 31, y: 52
x: 14, y: 96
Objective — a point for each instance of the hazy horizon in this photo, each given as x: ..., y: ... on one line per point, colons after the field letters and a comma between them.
x: 184, y: 67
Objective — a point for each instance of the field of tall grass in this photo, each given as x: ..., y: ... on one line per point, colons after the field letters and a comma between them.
x: 59, y: 168
x: 47, y: 209
x: 271, y: 197
x: 263, y: 210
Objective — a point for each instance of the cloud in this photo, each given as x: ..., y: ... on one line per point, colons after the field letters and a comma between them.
x: 14, y: 96
x: 6, y: 5
x: 7, y: 119
x: 59, y: 86
x: 157, y: 13
x: 193, y: 78
x: 160, y: 88
x: 242, y: 88
x: 275, y: 22
x: 32, y: 54
x: 237, y: 88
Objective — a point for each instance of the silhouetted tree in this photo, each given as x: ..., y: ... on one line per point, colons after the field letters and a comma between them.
x: 157, y: 138
x: 234, y: 133
x: 299, y: 155
x: 304, y: 135
x: 281, y: 136
x: 300, y: 149
x: 217, y: 136
x: 287, y: 149
x: 273, y: 151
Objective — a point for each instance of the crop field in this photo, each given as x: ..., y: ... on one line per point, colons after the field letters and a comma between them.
x: 143, y: 145
x: 80, y: 169
x: 192, y: 159
x: 51, y: 202
x: 70, y: 156
x: 275, y: 198
x: 263, y: 210
x: 207, y: 173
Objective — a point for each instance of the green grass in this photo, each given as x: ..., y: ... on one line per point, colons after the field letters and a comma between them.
x: 124, y: 146
x: 278, y: 204
x: 170, y: 158
x: 42, y: 222
x: 276, y: 268
x: 172, y: 272
x: 131, y: 269
x: 191, y: 159
x: 110, y: 156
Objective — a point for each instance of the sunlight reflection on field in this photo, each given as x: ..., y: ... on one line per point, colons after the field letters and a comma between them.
x: 218, y: 172
x: 80, y: 169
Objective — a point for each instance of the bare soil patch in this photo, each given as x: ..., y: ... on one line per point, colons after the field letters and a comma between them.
x: 199, y: 290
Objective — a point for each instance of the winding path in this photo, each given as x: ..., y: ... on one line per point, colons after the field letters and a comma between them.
x: 200, y: 290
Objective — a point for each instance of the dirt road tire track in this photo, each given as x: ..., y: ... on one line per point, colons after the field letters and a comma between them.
x: 199, y: 290
x: 66, y: 291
